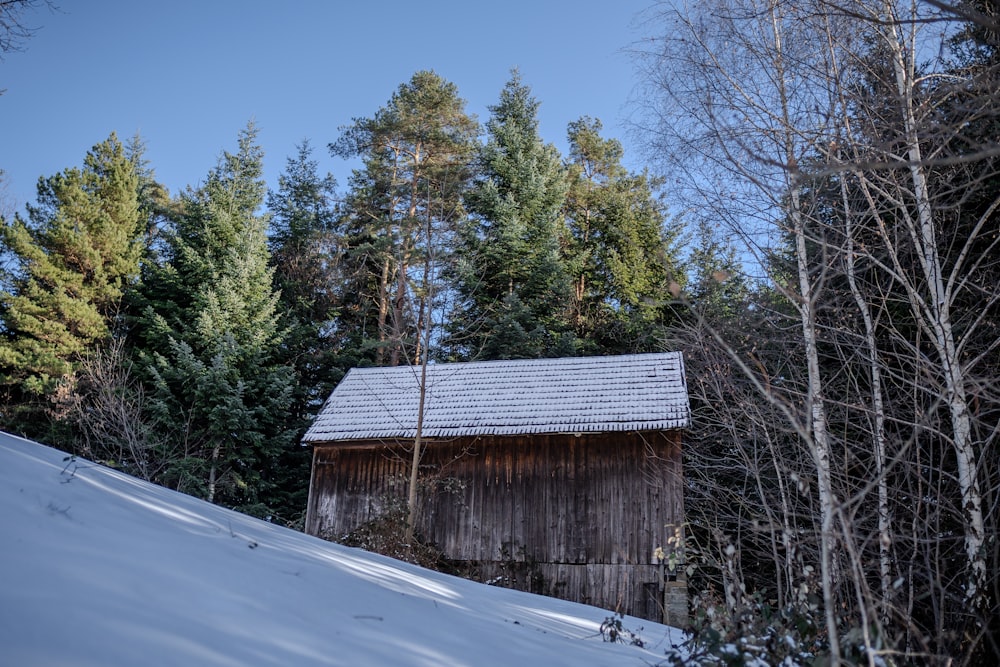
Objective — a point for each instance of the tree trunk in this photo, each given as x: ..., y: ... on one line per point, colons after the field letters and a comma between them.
x: 820, y: 444
x: 425, y: 334
x: 383, y: 312
x: 878, y: 407
x: 210, y: 497
x: 936, y: 311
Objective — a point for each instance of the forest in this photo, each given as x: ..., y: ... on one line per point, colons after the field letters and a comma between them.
x: 829, y: 265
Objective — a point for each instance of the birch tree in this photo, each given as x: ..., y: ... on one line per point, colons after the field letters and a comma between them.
x: 934, y: 289
x: 910, y: 160
x: 738, y: 108
x: 854, y: 161
x: 14, y: 29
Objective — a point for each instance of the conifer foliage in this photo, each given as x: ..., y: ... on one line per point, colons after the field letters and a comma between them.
x: 514, y: 279
x: 211, y: 340
x: 304, y: 244
x: 305, y: 252
x: 73, y: 260
x: 621, y: 255
x: 191, y: 339
x: 404, y: 208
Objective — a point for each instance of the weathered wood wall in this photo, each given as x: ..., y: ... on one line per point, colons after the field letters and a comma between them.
x: 585, y: 512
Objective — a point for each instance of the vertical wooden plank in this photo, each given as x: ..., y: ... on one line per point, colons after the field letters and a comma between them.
x: 588, y: 509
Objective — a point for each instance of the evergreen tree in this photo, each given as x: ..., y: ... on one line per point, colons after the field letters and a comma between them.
x: 305, y: 255
x: 154, y: 199
x: 622, y: 257
x: 212, y: 342
x: 513, y: 278
x: 718, y: 290
x: 304, y: 248
x: 73, y: 260
x: 402, y: 212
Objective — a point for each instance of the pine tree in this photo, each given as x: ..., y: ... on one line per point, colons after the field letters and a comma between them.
x: 402, y: 212
x: 211, y: 341
x: 73, y: 260
x: 513, y: 279
x: 622, y: 257
x: 404, y: 208
x: 154, y: 198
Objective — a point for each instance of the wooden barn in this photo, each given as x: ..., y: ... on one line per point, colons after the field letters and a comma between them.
x: 557, y: 476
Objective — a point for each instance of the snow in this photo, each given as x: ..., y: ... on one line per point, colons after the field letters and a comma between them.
x: 99, y: 568
x: 632, y: 392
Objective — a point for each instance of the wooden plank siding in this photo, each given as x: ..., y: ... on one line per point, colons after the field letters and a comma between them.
x: 584, y: 512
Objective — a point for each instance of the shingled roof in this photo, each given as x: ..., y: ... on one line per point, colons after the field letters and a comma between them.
x: 567, y: 395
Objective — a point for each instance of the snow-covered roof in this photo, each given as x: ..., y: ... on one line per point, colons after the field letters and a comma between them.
x: 568, y: 395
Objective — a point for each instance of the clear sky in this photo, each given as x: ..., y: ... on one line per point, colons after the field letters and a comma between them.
x: 187, y: 75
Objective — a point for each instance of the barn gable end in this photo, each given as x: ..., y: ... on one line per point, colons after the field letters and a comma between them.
x: 568, y: 468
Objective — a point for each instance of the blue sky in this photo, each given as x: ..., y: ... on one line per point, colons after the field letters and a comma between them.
x: 187, y: 75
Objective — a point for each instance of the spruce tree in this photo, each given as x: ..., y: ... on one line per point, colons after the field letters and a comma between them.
x: 211, y: 341
x: 304, y: 244
x: 72, y: 261
x: 304, y: 247
x: 719, y: 291
x: 513, y: 279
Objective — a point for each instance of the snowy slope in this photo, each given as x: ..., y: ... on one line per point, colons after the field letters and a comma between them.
x: 98, y: 568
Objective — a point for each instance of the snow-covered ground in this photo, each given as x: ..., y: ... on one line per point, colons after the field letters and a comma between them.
x: 99, y: 568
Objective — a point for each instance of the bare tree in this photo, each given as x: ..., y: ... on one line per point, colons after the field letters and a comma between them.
x: 106, y: 406
x: 932, y: 293
x: 14, y: 29
x: 737, y: 78
x: 863, y: 185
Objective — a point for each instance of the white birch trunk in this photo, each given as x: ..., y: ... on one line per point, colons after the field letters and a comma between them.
x: 820, y: 444
x: 878, y: 411
x: 936, y: 310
